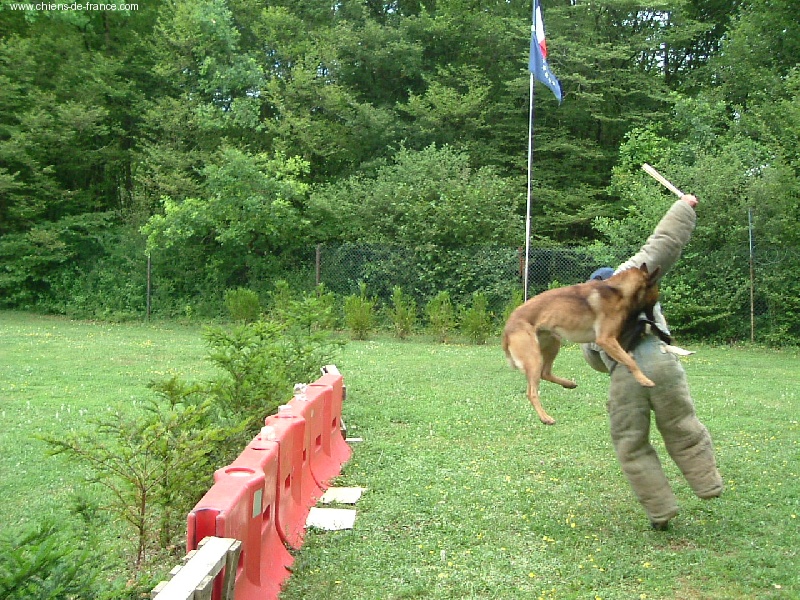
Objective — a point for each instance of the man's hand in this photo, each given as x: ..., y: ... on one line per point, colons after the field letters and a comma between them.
x: 690, y: 199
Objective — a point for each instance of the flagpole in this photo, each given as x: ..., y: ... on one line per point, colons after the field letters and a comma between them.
x: 528, y: 202
x: 537, y: 65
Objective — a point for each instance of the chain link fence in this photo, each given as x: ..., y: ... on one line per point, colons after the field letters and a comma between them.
x: 723, y: 296
x: 750, y: 309
x: 425, y: 271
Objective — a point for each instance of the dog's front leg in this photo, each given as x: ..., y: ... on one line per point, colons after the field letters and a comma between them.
x: 615, y: 351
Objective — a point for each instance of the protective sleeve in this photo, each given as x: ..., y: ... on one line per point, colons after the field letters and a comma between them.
x: 592, y: 355
x: 663, y: 248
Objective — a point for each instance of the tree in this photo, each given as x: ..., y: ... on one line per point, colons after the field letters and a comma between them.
x: 759, y: 51
x: 430, y: 197
x: 737, y: 173
x: 147, y: 104
x: 249, y: 211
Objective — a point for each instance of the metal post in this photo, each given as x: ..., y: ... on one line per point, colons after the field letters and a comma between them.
x: 149, y: 265
x: 528, y: 200
x: 318, y: 264
x: 752, y: 277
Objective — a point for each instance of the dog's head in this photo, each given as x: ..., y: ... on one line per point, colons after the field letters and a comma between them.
x: 648, y: 292
x: 641, y: 284
x: 651, y: 289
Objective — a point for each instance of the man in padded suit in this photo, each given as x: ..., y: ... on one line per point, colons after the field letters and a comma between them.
x: 630, y: 404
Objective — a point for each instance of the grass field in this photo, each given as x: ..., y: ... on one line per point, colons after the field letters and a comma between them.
x: 469, y: 496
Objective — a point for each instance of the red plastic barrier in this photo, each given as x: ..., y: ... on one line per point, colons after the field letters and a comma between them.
x: 310, y: 404
x: 242, y: 504
x: 297, y: 490
x: 326, y: 464
x: 340, y: 451
x: 263, y: 498
x: 263, y: 454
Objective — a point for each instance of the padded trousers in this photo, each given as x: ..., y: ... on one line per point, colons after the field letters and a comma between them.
x: 686, y: 439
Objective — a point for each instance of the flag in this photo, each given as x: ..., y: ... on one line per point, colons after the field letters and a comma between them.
x: 538, y: 61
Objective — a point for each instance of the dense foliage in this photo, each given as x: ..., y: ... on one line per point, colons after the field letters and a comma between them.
x: 40, y: 563
x: 220, y: 140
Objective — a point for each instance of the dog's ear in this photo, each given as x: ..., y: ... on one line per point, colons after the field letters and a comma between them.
x: 653, y: 277
x: 643, y: 268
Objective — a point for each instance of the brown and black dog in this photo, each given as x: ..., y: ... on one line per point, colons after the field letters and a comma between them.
x: 595, y: 311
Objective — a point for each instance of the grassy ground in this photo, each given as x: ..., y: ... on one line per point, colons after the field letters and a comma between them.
x: 469, y: 496
x: 56, y: 373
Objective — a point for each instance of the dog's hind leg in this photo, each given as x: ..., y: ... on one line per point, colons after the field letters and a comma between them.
x: 549, y: 346
x: 523, y: 348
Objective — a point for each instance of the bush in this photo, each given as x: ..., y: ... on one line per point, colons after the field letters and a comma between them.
x: 441, y: 316
x: 243, y: 305
x: 41, y: 562
x: 261, y: 361
x: 402, y: 313
x: 254, y: 379
x: 516, y: 299
x: 311, y: 311
x: 109, y: 283
x: 476, y: 322
x: 359, y: 313
x: 148, y: 464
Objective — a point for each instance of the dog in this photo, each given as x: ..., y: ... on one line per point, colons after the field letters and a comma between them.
x: 595, y: 311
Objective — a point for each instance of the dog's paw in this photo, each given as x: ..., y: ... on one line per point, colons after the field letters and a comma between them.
x: 548, y: 420
x: 647, y: 382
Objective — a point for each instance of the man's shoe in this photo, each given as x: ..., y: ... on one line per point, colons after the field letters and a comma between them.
x: 715, y: 493
x: 660, y: 525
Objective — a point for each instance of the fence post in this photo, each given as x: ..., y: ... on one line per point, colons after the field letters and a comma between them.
x: 318, y: 263
x: 149, y: 271
x: 752, y: 278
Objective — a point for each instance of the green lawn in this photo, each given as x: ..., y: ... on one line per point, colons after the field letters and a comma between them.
x: 54, y: 375
x: 469, y: 496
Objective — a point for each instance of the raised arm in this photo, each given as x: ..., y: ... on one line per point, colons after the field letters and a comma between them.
x: 663, y: 248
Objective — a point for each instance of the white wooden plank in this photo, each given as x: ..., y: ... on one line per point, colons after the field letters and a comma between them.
x: 331, y: 519
x: 207, y: 560
x: 342, y: 495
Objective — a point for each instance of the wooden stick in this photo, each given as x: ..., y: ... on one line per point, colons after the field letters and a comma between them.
x: 661, y: 179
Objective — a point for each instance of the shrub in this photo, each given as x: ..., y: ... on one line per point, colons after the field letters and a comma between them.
x: 148, y: 464
x: 281, y: 300
x: 260, y: 362
x: 402, y: 313
x: 41, y: 562
x: 476, y: 322
x: 312, y: 311
x: 441, y: 316
x: 321, y: 305
x: 359, y: 313
x: 243, y: 305
x: 516, y: 299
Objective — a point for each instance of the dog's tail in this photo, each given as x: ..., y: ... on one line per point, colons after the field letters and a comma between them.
x: 505, y: 347
x: 524, y: 330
